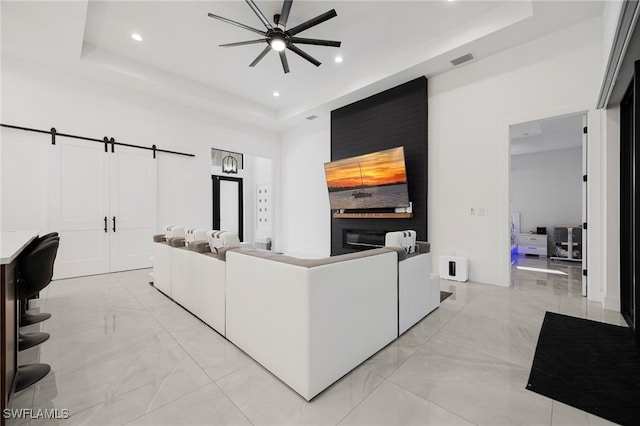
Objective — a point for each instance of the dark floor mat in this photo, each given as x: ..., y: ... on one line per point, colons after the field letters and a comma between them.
x: 589, y: 365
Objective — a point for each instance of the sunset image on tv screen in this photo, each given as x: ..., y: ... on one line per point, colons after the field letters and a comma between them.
x: 373, y: 180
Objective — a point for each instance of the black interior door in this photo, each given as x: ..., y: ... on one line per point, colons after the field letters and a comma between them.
x: 630, y: 203
x: 626, y: 211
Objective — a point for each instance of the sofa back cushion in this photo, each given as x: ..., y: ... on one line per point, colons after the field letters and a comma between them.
x: 199, y: 246
x: 176, y: 242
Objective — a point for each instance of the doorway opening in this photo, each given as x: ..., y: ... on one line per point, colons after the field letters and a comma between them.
x: 227, y: 204
x: 547, y: 202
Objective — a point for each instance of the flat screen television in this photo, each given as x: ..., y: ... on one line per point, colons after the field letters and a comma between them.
x: 371, y: 181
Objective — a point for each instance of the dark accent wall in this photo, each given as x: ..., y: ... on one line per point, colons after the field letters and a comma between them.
x: 395, y: 117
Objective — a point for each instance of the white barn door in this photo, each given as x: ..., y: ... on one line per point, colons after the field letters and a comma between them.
x: 78, y: 205
x: 132, y: 208
x: 103, y: 204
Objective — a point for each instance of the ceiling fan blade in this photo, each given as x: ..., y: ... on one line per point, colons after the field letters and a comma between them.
x: 260, y: 56
x: 313, y: 22
x: 284, y: 15
x: 285, y: 63
x: 305, y: 55
x: 258, y: 13
x: 242, y: 43
x: 237, y: 24
x: 315, y: 41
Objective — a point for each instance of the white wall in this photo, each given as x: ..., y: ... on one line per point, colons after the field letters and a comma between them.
x: 546, y: 188
x: 304, y: 209
x: 470, y: 111
x: 23, y: 197
x: 42, y: 98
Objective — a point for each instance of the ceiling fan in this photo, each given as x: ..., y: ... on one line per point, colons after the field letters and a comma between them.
x: 278, y: 37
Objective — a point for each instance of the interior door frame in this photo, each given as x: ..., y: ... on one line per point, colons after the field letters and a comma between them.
x: 630, y: 203
x: 585, y: 198
x: 216, y: 202
x: 507, y: 189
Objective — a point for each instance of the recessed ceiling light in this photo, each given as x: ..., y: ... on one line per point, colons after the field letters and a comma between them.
x: 338, y: 59
x: 136, y: 36
x: 276, y: 94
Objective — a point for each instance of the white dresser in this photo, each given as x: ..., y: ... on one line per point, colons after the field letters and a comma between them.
x: 532, y: 244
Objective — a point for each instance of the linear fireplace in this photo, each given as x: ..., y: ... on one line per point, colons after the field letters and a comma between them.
x: 363, y: 239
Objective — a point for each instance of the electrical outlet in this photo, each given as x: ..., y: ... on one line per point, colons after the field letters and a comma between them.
x: 472, y: 211
x: 482, y: 211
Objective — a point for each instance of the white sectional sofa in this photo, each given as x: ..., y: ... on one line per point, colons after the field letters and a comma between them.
x: 162, y: 265
x: 308, y: 321
x: 193, y: 276
x: 162, y: 258
x: 416, y: 295
x: 198, y: 284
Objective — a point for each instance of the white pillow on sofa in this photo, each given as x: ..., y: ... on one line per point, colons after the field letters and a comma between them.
x: 214, y: 239
x: 174, y: 231
x: 193, y: 234
x: 403, y: 239
x: 219, y: 239
x: 230, y: 239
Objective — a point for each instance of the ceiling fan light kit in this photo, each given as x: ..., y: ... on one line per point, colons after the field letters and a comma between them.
x: 278, y: 42
x: 278, y: 37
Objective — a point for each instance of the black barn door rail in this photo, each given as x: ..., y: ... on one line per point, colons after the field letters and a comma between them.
x: 111, y: 141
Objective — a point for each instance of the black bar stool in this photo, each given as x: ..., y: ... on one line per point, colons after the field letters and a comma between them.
x: 35, y: 270
x: 27, y: 318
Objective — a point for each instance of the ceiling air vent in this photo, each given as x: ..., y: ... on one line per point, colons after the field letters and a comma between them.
x: 312, y: 117
x: 462, y: 59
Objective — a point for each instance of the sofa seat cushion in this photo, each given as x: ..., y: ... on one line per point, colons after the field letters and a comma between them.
x: 312, y: 263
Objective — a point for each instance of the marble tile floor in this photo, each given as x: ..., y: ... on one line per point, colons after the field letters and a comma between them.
x: 123, y: 354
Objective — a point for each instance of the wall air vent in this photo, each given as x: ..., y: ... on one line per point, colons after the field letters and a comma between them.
x: 462, y: 59
x: 312, y: 117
